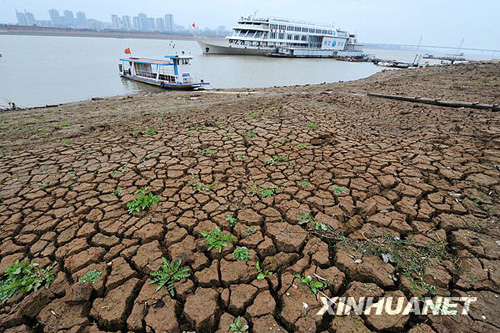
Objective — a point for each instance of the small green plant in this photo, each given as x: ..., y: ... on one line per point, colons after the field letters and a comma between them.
x: 368, y: 287
x: 91, y: 276
x: 196, y: 128
x: 151, y: 131
x: 270, y: 161
x: 250, y: 116
x: 23, y: 277
x: 44, y: 186
x: 392, y: 119
x: 118, y: 193
x: 305, y: 218
x: 228, y: 137
x: 312, y: 224
x: 268, y: 191
x: 338, y: 189
x: 472, y: 277
x: 241, y: 253
x: 275, y: 159
x: 135, y: 133
x: 119, y: 172
x: 65, y: 124
x: 238, y: 326
x: 169, y: 273
x: 304, y: 184
x: 285, y: 140
x: 217, y: 240
x: 250, y: 134
x: 232, y: 221
x: 410, y: 259
x: 142, y: 159
x: 66, y: 143
x: 302, y: 145
x: 264, y: 192
x: 312, y: 126
x: 241, y: 156
x: 262, y: 272
x: 250, y: 231
x: 206, y: 151
x: 198, y: 186
x: 315, y: 286
x: 143, y: 201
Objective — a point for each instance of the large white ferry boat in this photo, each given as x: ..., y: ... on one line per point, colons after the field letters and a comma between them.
x: 275, y: 36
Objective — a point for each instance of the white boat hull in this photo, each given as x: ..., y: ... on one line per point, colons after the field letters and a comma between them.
x: 219, y: 48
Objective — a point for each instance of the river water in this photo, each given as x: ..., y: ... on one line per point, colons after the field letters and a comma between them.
x: 39, y: 70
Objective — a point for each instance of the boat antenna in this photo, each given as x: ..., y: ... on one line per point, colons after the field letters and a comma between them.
x: 420, y: 43
x: 461, y: 44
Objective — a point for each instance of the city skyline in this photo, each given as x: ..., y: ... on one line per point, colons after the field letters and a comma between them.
x: 141, y: 22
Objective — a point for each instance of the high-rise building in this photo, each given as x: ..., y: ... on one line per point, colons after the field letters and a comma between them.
x: 55, y: 19
x: 143, y: 22
x: 21, y: 18
x: 160, y: 24
x: 116, y: 23
x: 30, y: 18
x: 126, y: 22
x: 136, y: 25
x: 69, y: 19
x: 169, y: 23
x: 81, y: 19
x: 151, y: 24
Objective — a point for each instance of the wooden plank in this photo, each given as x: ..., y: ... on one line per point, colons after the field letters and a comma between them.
x: 439, y: 102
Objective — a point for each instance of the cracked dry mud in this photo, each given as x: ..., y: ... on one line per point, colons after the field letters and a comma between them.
x: 424, y: 173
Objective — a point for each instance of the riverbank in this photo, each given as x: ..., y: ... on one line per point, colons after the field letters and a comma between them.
x: 67, y: 32
x: 318, y: 179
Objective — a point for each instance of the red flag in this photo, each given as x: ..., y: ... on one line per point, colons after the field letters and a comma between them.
x: 127, y: 51
x: 194, y: 25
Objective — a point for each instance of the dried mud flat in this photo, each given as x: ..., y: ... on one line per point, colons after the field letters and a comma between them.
x: 367, y: 168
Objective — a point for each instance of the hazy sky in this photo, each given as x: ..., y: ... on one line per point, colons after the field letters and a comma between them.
x: 439, y: 22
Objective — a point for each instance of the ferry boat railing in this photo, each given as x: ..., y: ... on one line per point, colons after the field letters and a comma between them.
x: 146, y: 74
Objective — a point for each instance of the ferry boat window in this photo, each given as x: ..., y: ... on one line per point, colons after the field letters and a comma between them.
x: 281, y: 36
x: 273, y: 26
x: 318, y: 31
x: 289, y: 28
x: 296, y: 37
x: 282, y: 27
x: 272, y: 35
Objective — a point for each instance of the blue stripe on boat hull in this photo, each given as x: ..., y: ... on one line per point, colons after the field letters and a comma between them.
x: 166, y: 85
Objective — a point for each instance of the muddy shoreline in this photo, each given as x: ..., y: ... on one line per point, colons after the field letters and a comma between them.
x: 317, y: 180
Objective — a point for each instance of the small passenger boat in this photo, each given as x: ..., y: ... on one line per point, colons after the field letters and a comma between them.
x: 171, y: 73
